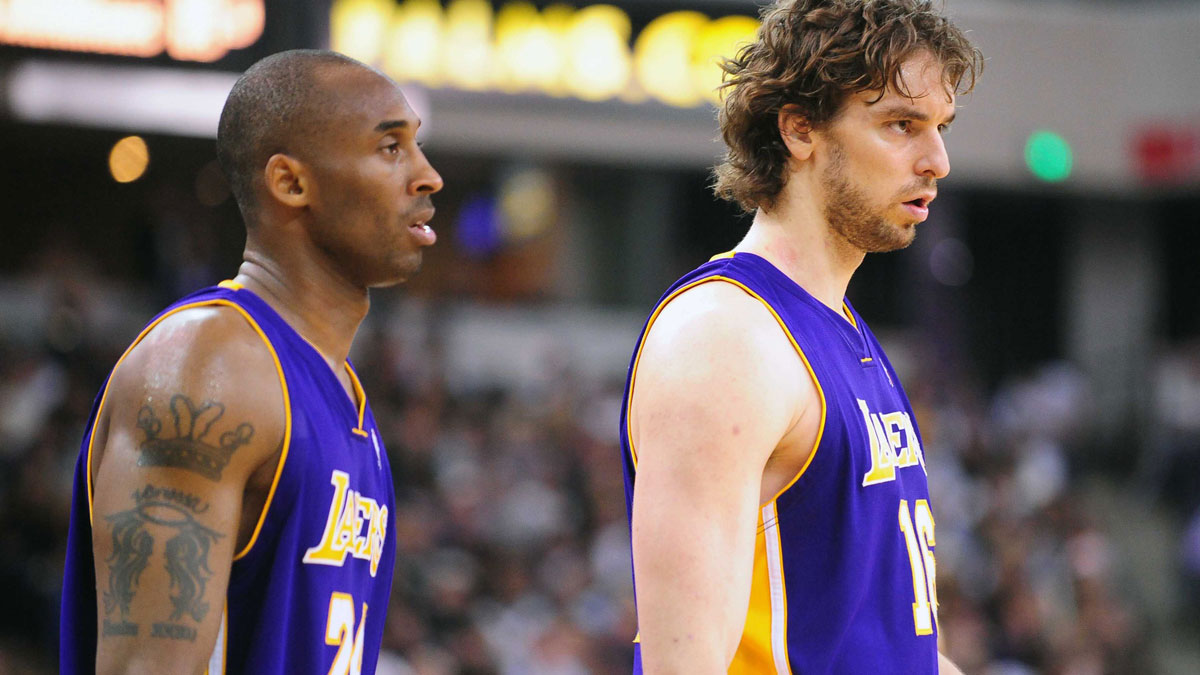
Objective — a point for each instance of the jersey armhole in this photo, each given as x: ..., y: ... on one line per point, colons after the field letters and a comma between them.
x: 786, y: 331
x: 811, y: 373
x: 287, y: 408
x: 287, y: 433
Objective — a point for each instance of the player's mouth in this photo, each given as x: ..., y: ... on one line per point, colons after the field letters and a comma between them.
x: 420, y: 230
x: 919, y: 207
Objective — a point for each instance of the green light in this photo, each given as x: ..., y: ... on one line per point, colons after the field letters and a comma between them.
x: 1048, y: 156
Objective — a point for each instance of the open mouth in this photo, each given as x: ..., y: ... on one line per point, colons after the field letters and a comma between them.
x: 919, y: 202
x: 422, y: 232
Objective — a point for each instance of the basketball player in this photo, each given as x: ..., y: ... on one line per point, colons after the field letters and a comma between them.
x: 774, y: 474
x: 233, y: 503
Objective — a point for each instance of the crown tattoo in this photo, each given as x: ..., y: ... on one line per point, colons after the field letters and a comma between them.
x: 188, y: 449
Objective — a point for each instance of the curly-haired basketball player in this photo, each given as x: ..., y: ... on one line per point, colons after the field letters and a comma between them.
x: 775, y: 477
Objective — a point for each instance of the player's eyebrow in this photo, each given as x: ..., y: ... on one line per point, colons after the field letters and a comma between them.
x: 911, y: 113
x: 388, y: 125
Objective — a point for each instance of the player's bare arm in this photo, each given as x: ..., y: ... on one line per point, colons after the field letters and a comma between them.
x: 946, y: 666
x: 719, y: 396
x: 182, y: 458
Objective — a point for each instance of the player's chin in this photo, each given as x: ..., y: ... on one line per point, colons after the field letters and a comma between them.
x: 400, y: 270
x: 905, y: 237
x: 895, y: 238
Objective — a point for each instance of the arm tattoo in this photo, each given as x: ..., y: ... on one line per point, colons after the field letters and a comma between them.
x: 186, y: 556
x: 132, y: 545
x: 188, y: 448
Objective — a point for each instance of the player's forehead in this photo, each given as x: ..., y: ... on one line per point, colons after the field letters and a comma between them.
x: 362, y: 101
x: 924, y: 87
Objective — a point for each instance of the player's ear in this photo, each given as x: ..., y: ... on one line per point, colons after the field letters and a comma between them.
x: 287, y: 181
x: 795, y: 130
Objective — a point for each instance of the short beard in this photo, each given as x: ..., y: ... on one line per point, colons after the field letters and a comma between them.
x: 848, y: 214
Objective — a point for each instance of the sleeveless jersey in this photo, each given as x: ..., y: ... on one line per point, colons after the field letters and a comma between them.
x: 843, y: 576
x: 309, y: 591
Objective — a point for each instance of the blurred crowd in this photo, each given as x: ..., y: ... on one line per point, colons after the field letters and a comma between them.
x: 513, y: 553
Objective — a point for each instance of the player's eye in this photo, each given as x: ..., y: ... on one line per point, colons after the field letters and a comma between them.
x: 943, y: 129
x: 901, y: 126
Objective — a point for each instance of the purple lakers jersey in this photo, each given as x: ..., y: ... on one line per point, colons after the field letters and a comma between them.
x: 308, y: 592
x: 843, y: 565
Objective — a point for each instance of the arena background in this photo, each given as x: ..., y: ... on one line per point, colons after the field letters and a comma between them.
x: 1046, y: 321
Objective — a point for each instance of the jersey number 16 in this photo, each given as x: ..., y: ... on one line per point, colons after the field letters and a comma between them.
x: 917, y: 529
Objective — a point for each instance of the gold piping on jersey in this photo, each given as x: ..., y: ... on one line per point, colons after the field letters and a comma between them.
x: 778, y: 319
x: 849, y: 315
x: 360, y: 396
x: 360, y: 400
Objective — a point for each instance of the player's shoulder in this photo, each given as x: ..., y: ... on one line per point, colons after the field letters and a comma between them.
x: 716, y: 333
x: 200, y: 373
x: 714, y: 353
x: 189, y: 335
x: 209, y: 350
x: 715, y: 312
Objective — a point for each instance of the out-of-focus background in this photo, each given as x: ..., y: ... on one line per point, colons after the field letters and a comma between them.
x: 1046, y: 321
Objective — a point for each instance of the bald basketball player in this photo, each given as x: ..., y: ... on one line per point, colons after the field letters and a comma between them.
x: 233, y: 503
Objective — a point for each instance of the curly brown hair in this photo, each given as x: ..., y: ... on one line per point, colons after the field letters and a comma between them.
x: 814, y: 54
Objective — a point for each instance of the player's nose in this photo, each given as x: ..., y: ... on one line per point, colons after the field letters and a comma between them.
x: 934, y: 161
x: 425, y: 179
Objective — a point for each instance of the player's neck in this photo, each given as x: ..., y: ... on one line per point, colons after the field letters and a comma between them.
x: 798, y: 241
x: 320, y: 306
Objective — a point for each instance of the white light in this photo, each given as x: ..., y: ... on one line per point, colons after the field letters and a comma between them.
x: 143, y: 99
x: 203, y: 30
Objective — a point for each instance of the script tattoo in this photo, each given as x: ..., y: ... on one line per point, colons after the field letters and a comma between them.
x: 188, y: 449
x: 186, y: 555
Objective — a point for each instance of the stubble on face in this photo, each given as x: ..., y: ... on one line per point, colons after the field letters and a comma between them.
x: 850, y: 214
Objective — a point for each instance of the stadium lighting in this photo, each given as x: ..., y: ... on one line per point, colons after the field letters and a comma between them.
x: 128, y: 159
x: 664, y: 59
x: 1048, y: 156
x: 467, y: 55
x: 527, y: 49
x: 134, y: 98
x: 598, y: 61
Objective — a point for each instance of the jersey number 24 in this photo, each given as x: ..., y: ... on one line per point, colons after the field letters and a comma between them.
x: 340, y: 632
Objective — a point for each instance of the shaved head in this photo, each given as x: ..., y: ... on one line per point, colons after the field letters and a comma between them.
x: 282, y: 104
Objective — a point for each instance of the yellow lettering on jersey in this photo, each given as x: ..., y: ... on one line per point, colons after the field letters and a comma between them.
x: 915, y: 442
x: 883, y: 458
x: 902, y: 437
x: 349, y: 512
x: 894, y: 444
x: 348, y: 524
x: 328, y: 552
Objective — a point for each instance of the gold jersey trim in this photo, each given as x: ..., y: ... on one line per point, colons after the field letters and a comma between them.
x: 360, y: 400
x: 804, y: 358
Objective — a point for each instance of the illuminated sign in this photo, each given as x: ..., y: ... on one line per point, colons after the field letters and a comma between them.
x: 187, y: 30
x: 586, y: 53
